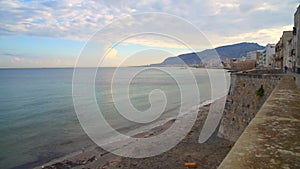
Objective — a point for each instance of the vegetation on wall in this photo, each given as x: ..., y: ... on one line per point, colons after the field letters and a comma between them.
x: 260, y: 92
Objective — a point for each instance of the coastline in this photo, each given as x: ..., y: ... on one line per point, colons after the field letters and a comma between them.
x: 207, y: 155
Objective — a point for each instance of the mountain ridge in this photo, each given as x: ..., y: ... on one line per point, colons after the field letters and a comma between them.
x: 228, y: 51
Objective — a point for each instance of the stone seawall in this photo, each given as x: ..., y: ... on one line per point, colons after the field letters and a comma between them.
x: 271, y: 140
x: 243, y: 102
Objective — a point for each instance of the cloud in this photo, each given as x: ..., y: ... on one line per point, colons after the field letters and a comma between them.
x: 14, y: 60
x: 80, y: 19
x: 262, y: 36
x: 111, y: 53
x: 111, y: 58
x: 258, y: 5
x: 17, y: 60
x: 76, y: 20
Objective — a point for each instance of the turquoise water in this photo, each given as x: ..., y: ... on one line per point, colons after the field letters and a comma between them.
x: 38, y: 122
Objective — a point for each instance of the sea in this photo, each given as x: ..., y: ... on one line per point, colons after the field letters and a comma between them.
x: 38, y: 121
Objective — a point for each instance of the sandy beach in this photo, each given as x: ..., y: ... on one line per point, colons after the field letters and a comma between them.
x: 207, y: 155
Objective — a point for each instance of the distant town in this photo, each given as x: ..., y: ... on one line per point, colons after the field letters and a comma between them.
x: 285, y: 54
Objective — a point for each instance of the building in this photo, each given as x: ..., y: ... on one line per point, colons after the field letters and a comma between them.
x: 269, y: 55
x: 242, y: 59
x: 290, y: 55
x: 278, y: 54
x: 272, y: 60
x: 296, y: 40
x: 283, y: 49
x: 287, y: 38
x: 260, y: 58
x: 251, y: 56
x: 227, y: 63
x: 256, y: 56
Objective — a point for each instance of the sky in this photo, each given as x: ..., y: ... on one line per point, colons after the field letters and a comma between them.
x: 55, y: 33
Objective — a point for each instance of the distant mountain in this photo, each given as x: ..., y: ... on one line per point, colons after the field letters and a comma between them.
x: 229, y: 51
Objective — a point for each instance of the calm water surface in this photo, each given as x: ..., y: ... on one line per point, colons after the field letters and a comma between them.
x: 38, y: 122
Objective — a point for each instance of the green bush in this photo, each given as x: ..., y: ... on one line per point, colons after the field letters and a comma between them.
x: 260, y: 92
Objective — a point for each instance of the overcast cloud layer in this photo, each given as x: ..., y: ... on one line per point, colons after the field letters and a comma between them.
x: 51, y: 33
x: 79, y: 19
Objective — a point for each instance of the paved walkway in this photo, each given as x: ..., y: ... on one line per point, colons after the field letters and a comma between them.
x: 271, y: 140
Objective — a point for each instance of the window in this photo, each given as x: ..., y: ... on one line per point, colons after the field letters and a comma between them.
x: 293, y: 52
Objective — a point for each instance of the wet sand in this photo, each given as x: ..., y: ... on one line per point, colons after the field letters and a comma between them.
x: 206, y: 155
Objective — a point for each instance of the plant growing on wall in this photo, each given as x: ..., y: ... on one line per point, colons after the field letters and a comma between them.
x: 260, y: 92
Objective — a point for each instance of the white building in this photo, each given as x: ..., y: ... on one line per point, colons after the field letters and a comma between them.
x: 268, y: 54
x: 253, y: 55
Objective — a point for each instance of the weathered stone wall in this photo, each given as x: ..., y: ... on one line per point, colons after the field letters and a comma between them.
x: 271, y: 140
x: 242, y: 102
x: 239, y: 66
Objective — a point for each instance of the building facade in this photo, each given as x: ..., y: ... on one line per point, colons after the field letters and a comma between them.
x: 260, y: 58
x: 278, y: 54
x: 296, y: 40
x: 251, y: 56
x: 256, y: 56
x: 283, y: 49
x: 269, y: 55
